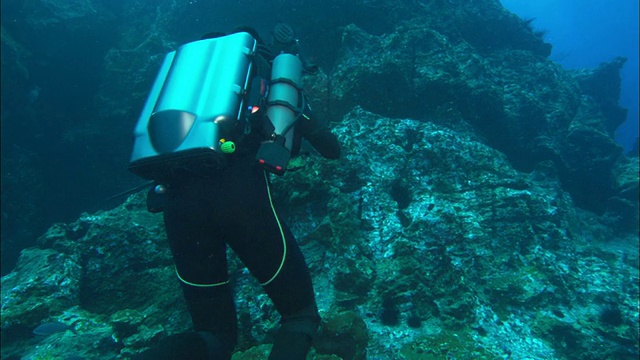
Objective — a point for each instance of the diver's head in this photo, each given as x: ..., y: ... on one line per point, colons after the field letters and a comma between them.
x: 284, y: 39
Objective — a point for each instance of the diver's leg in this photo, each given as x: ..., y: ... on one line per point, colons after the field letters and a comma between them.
x: 267, y: 247
x: 292, y: 293
x: 201, y: 265
x: 214, y: 318
x: 290, y: 290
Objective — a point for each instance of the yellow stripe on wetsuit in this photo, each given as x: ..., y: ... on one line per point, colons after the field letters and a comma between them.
x: 284, y: 249
x: 284, y: 240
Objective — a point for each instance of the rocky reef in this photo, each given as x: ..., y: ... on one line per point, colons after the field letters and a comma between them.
x: 481, y: 207
x: 423, y: 241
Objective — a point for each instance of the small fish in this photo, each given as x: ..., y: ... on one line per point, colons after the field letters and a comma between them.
x: 34, y: 94
x: 51, y: 328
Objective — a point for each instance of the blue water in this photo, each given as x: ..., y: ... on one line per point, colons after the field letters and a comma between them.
x: 585, y: 33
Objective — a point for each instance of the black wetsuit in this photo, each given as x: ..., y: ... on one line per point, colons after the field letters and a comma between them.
x: 204, y: 211
x: 233, y: 206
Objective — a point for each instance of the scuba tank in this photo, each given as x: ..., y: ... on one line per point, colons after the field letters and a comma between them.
x: 195, y: 102
x: 283, y: 110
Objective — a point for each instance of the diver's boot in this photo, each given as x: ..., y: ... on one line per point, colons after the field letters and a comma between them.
x: 214, y: 319
x: 188, y: 345
x: 216, y: 350
x: 295, y: 335
x: 290, y: 346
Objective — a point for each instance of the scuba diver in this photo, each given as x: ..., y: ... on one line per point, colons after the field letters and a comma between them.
x: 224, y: 113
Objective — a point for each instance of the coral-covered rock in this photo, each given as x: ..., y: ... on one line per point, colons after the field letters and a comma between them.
x: 343, y: 334
x: 45, y: 282
x: 420, y: 229
x: 481, y: 208
x: 602, y: 84
x: 421, y: 72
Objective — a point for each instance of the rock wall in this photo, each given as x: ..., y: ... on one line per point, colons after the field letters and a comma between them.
x: 76, y: 75
x: 421, y: 233
x: 481, y: 208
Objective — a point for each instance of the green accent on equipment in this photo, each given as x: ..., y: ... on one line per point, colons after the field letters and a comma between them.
x: 228, y: 147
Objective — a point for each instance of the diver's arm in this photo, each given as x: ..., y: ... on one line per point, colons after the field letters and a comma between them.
x: 318, y: 134
x: 326, y: 143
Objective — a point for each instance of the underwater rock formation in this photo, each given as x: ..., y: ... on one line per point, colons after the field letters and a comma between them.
x: 523, y: 104
x: 481, y: 209
x: 452, y: 62
x: 480, y: 252
x: 602, y: 84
